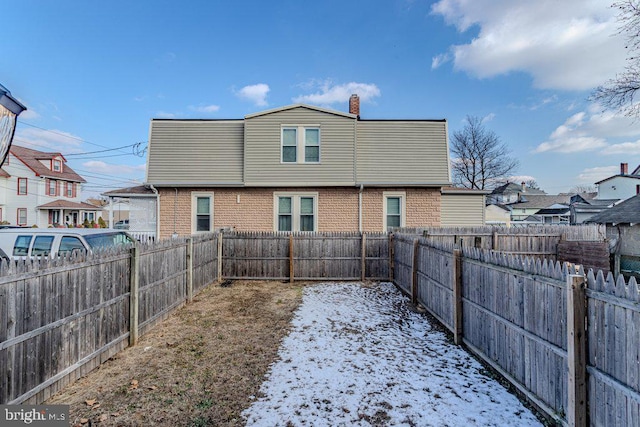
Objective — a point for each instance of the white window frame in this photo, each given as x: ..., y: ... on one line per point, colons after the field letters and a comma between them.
x: 300, y: 143
x: 295, y: 208
x: 194, y: 211
x: 403, y: 207
x: 58, y: 163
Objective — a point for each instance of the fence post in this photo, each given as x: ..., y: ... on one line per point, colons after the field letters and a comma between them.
x: 363, y: 262
x: 219, y: 266
x: 391, y: 256
x: 189, y: 269
x: 290, y: 258
x: 414, y: 272
x: 494, y: 241
x: 457, y: 296
x: 134, y: 286
x: 576, y: 351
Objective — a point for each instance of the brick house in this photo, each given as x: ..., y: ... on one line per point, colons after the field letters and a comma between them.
x: 300, y: 168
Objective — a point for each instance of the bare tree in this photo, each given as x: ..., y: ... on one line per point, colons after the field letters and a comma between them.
x: 583, y: 188
x: 620, y: 93
x: 479, y: 158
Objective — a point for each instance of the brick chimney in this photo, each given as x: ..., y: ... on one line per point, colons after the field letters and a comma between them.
x: 624, y: 168
x: 354, y: 105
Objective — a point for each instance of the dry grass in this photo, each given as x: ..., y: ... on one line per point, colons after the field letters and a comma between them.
x: 198, y: 368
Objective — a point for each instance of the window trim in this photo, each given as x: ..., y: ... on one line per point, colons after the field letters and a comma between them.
x: 53, y: 165
x: 295, y: 209
x: 403, y: 207
x: 26, y: 187
x: 49, y: 183
x: 26, y: 217
x: 194, y: 211
x: 301, y: 143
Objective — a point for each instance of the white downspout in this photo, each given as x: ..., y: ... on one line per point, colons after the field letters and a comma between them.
x: 155, y: 191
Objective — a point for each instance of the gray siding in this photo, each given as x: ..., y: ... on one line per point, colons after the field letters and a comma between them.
x: 403, y: 152
x: 262, y: 149
x: 462, y: 210
x: 192, y: 152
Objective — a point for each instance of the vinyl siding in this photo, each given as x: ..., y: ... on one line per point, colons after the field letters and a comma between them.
x: 402, y: 152
x: 193, y: 152
x: 462, y: 210
x: 262, y: 151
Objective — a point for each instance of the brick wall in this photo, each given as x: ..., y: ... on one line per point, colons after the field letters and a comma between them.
x: 252, y: 209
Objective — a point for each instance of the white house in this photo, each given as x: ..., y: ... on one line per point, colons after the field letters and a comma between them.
x: 38, y: 188
x: 620, y: 187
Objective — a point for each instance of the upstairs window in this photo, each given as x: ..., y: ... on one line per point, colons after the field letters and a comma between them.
x: 57, y: 165
x: 52, y: 187
x: 300, y: 144
x: 22, y: 186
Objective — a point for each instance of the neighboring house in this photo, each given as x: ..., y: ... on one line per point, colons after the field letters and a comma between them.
x: 137, y: 205
x: 511, y: 193
x: 621, y: 186
x: 556, y: 214
x: 298, y: 168
x: 38, y: 188
x: 582, y: 211
x: 497, y: 214
x: 529, y: 205
x: 623, y: 233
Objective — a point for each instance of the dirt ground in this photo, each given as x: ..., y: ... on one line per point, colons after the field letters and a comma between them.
x: 201, y: 367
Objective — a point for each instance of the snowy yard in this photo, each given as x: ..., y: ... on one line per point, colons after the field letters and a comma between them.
x: 358, y: 356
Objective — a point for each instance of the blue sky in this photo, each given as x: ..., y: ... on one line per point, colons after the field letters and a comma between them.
x: 93, y: 74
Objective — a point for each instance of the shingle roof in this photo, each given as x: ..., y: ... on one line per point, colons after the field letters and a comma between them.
x: 627, y: 212
x: 541, y: 201
x: 32, y: 158
x: 511, y: 187
x: 137, y: 190
x: 66, y: 204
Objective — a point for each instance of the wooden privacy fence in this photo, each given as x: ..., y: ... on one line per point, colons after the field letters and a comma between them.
x: 580, y: 244
x: 66, y: 316
x: 526, y: 318
x: 305, y: 256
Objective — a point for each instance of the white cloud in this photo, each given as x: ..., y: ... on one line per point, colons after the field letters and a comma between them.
x: 255, y: 93
x: 592, y: 175
x: 521, y: 178
x: 327, y: 93
x: 47, y: 140
x: 97, y: 166
x: 439, y: 60
x: 624, y: 148
x: 165, y: 115
x: 488, y: 117
x: 205, y: 108
x: 568, y: 44
x: 591, y: 130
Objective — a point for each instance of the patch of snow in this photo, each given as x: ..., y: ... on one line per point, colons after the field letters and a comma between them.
x: 357, y: 356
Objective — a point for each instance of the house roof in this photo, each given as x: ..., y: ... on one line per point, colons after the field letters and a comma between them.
x: 460, y: 190
x: 627, y: 212
x: 4, y: 173
x: 139, y: 190
x: 512, y: 187
x: 499, y: 206
x: 540, y: 201
x: 632, y: 176
x: 66, y: 204
x: 31, y: 158
x: 553, y: 211
x: 291, y: 107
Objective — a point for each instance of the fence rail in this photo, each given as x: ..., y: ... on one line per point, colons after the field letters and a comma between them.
x: 66, y: 316
x: 520, y: 315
